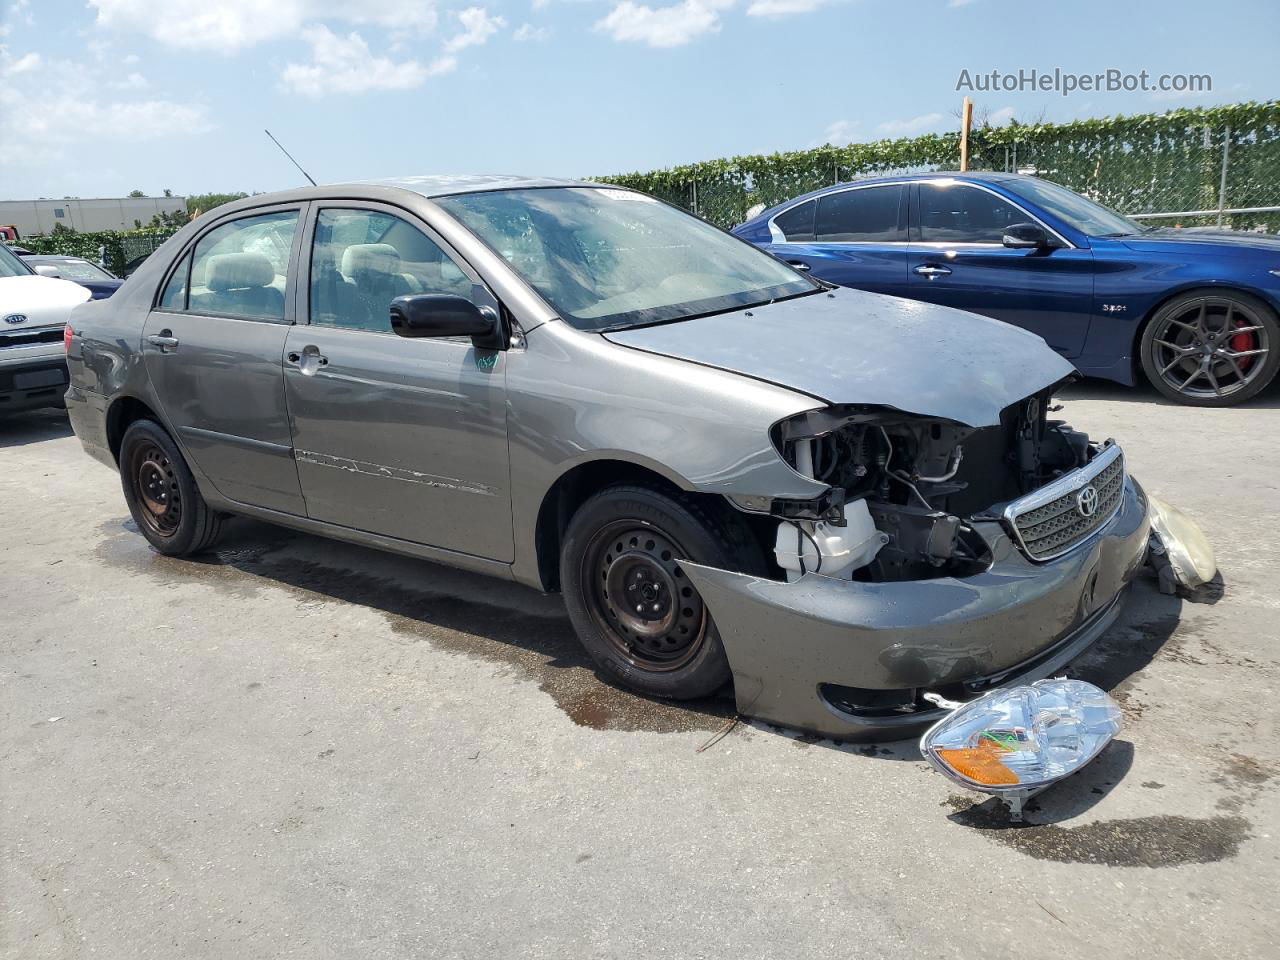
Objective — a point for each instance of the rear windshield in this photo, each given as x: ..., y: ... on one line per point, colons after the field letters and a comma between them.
x: 10, y: 265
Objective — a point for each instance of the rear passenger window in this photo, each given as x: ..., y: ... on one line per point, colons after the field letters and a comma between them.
x: 796, y: 224
x: 361, y: 260
x: 864, y: 215
x: 240, y: 269
x: 175, y: 291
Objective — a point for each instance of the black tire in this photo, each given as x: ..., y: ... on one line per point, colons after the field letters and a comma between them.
x: 162, y: 494
x: 1210, y: 348
x: 684, y: 658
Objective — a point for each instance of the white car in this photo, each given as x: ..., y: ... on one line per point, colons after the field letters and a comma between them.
x: 33, y: 313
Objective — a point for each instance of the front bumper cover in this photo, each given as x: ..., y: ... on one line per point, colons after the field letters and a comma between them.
x: 790, y: 644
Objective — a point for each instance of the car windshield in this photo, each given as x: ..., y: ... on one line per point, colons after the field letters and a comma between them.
x: 79, y: 270
x: 606, y: 259
x: 1091, y: 219
x: 10, y: 265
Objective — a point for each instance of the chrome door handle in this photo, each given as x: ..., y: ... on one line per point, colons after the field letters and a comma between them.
x: 162, y: 340
x: 930, y: 271
x: 799, y: 265
x: 309, y: 359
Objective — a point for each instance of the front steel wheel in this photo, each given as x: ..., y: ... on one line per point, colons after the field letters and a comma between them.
x: 1210, y: 349
x: 639, y: 597
x: 633, y: 608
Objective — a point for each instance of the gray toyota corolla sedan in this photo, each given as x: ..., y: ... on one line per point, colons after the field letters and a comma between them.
x: 849, y: 506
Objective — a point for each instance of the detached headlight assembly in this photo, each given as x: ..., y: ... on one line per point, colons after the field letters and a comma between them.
x: 1016, y: 742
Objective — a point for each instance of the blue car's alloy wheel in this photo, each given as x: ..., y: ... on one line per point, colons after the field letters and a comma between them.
x: 1210, y: 349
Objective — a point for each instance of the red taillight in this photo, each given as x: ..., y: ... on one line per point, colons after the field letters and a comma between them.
x: 66, y: 338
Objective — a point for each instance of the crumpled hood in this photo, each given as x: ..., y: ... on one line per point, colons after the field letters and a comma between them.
x: 42, y: 301
x: 848, y: 346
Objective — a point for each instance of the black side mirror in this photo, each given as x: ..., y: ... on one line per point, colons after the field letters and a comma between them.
x: 446, y: 315
x: 1028, y: 236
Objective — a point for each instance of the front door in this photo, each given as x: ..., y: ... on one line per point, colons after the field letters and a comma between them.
x: 213, y: 349
x: 401, y: 437
x: 957, y: 258
x: 855, y: 238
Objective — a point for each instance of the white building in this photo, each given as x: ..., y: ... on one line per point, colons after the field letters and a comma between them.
x: 85, y: 216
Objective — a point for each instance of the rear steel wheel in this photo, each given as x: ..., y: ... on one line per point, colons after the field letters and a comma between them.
x: 158, y: 492
x: 162, y: 494
x: 1211, y: 349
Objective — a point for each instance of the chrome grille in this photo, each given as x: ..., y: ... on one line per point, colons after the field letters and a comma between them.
x: 1050, y: 521
x: 25, y: 338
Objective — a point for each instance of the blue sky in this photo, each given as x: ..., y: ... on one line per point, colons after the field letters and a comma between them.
x: 98, y: 97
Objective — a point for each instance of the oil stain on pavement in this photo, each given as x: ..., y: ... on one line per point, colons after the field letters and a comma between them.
x: 1155, y: 841
x: 540, y: 642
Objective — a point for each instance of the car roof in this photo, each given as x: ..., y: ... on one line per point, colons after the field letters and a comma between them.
x: 431, y: 186
x: 443, y: 185
x: 983, y: 176
x: 55, y: 256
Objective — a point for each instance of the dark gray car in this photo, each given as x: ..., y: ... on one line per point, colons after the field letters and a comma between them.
x: 837, y: 501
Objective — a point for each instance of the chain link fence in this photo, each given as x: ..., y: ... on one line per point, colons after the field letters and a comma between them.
x: 1189, y: 168
x: 119, y: 252
x: 1209, y: 176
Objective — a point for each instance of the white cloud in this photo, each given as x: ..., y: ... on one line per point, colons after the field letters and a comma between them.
x: 24, y: 64
x: 347, y: 65
x: 1000, y: 117
x: 671, y: 26
x: 134, y: 81
x: 477, y: 28
x: 783, y: 8
x: 528, y: 33
x: 65, y: 119
x: 839, y: 133
x: 227, y: 26
x: 901, y: 128
x: 959, y: 3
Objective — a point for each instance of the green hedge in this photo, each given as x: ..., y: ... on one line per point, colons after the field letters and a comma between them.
x: 1147, y: 163
x: 112, y: 248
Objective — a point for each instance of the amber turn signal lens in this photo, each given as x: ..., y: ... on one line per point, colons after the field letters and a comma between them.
x: 980, y: 764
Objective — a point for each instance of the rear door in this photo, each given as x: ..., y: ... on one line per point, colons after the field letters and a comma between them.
x: 401, y: 437
x: 957, y: 258
x: 213, y: 348
x: 856, y: 237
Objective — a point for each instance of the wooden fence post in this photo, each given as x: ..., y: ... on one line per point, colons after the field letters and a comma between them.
x: 966, y: 121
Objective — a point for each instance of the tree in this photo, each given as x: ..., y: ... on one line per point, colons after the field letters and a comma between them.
x: 204, y: 202
x: 170, y: 220
x: 168, y: 192
x: 136, y: 193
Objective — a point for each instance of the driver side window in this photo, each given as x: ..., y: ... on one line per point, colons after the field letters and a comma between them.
x: 361, y: 260
x: 962, y: 214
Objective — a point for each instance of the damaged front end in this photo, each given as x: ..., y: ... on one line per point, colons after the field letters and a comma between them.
x: 944, y: 559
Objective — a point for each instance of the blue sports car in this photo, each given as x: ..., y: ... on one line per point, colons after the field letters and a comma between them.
x: 1193, y: 311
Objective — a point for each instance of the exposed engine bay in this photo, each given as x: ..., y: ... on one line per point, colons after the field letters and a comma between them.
x: 905, y: 488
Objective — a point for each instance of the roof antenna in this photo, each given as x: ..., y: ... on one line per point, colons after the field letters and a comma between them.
x: 290, y: 156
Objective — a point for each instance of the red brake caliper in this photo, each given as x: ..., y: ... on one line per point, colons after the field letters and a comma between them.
x: 1243, y: 341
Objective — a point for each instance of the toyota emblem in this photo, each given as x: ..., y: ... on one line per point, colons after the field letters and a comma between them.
x: 1087, y: 502
x: 16, y: 318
